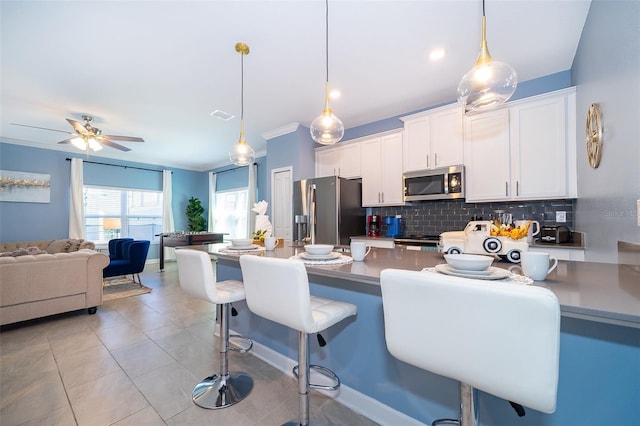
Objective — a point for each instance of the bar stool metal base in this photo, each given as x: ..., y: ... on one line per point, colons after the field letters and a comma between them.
x: 468, y: 408
x: 222, y: 391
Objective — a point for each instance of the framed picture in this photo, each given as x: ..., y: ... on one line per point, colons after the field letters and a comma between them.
x: 24, y: 187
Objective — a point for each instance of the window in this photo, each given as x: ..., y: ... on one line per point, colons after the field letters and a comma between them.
x: 114, y: 213
x: 231, y: 213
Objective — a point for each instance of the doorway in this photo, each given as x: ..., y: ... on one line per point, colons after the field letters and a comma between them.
x: 282, y: 202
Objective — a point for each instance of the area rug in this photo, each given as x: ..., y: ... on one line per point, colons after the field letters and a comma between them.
x: 118, y: 288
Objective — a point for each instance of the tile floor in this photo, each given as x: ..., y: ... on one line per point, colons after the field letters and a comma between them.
x: 135, y: 363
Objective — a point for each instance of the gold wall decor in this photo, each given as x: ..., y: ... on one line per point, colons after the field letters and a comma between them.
x: 594, y: 135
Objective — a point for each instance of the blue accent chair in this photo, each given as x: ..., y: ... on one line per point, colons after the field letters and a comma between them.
x: 134, y: 256
x: 115, y: 248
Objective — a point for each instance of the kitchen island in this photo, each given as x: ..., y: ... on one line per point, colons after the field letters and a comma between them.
x: 599, y: 354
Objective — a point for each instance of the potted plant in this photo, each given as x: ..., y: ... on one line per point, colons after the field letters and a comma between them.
x: 197, y: 222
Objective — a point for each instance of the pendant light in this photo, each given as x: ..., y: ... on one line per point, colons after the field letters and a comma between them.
x: 242, y: 154
x: 489, y: 83
x: 327, y: 129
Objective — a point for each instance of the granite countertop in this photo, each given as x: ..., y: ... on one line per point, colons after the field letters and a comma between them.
x: 601, y: 292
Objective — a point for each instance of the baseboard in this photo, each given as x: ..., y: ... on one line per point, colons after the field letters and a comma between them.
x: 356, y: 401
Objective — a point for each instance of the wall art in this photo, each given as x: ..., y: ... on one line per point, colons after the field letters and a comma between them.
x: 25, y: 187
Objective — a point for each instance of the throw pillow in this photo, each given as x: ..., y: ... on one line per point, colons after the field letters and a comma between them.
x: 58, y: 246
x: 74, y: 245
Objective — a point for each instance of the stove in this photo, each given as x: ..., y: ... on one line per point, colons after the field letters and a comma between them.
x: 418, y: 242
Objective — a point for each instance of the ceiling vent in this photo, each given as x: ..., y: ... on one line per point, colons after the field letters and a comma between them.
x: 222, y: 115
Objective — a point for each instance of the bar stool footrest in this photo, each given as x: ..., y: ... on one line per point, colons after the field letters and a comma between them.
x: 235, y: 348
x: 329, y: 374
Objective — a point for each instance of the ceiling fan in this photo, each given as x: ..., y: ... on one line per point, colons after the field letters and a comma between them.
x: 86, y: 136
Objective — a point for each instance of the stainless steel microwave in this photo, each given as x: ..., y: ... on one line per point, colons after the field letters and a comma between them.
x: 434, y: 184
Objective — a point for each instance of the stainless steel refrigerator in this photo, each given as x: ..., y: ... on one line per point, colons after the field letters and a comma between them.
x: 329, y: 208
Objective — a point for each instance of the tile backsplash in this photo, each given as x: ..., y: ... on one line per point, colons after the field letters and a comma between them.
x: 434, y: 217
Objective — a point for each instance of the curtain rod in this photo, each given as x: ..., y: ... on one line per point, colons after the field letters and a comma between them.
x: 231, y: 170
x: 118, y: 165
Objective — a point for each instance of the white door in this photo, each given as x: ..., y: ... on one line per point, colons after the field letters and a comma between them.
x: 282, y: 202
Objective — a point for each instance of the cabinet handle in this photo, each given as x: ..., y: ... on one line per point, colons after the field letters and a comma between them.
x: 427, y: 161
x: 517, y: 188
x: 382, y: 196
x: 435, y: 159
x: 506, y: 189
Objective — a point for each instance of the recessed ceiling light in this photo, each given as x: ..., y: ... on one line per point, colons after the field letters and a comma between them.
x: 437, y: 54
x: 222, y: 115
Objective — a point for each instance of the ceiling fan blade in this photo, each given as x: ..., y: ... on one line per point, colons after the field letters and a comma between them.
x: 79, y: 127
x: 123, y: 138
x: 42, y: 128
x: 66, y: 141
x: 107, y: 142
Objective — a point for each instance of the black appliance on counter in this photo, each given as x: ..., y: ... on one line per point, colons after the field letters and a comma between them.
x: 418, y: 242
x: 555, y: 234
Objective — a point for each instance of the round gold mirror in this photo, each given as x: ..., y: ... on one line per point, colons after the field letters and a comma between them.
x: 594, y: 135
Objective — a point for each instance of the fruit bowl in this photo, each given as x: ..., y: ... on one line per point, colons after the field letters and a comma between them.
x: 318, y: 249
x: 241, y: 242
x: 468, y: 262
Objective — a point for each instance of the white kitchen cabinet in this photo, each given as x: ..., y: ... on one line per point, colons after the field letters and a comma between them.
x: 522, y: 151
x: 433, y: 138
x: 381, y: 167
x: 487, y: 156
x: 342, y: 160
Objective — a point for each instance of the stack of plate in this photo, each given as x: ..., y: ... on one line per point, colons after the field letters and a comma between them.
x: 242, y: 244
x: 319, y: 252
x: 471, y: 266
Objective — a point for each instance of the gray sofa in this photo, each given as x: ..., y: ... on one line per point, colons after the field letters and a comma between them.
x: 59, y: 276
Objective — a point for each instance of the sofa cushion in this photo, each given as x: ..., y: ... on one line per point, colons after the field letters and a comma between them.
x: 14, y: 245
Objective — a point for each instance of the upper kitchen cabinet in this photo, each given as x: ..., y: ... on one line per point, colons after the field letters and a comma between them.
x: 522, y: 151
x: 342, y: 160
x: 381, y: 166
x: 433, y: 138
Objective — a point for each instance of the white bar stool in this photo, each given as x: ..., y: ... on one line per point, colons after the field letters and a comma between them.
x: 195, y: 273
x: 278, y: 290
x: 501, y: 338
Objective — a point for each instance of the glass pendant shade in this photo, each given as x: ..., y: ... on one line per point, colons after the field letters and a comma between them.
x: 242, y: 154
x: 489, y: 83
x: 327, y: 129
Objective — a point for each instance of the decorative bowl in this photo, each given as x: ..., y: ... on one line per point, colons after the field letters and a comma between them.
x: 241, y: 242
x: 469, y: 262
x: 318, y: 249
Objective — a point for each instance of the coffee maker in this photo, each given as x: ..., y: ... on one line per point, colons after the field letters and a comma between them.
x: 373, y: 225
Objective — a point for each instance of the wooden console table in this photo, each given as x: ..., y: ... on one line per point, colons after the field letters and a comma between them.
x: 189, y: 239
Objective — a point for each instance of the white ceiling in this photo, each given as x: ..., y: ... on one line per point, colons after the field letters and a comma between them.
x: 156, y: 69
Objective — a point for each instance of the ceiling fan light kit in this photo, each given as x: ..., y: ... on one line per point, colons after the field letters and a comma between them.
x: 327, y: 129
x: 86, y: 136
x: 489, y: 83
x: 242, y: 154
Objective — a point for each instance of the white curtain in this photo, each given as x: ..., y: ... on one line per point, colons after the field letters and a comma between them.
x: 251, y: 200
x: 167, y: 212
x: 213, y: 178
x: 76, y: 206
